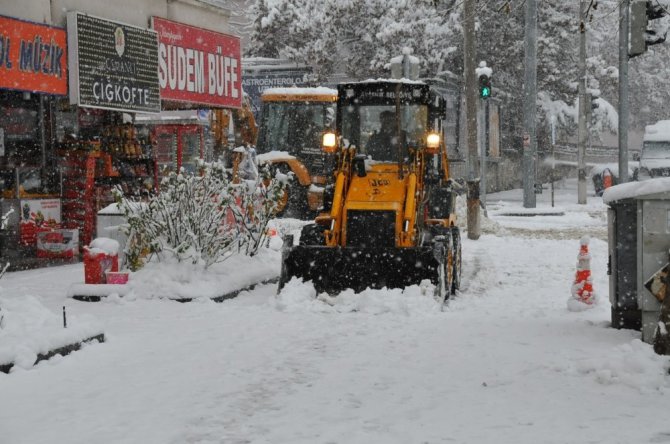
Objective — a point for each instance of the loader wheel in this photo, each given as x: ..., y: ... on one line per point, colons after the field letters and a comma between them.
x: 440, y: 292
x: 456, y: 235
x: 445, y: 270
x: 449, y: 263
x: 293, y: 203
x: 312, y: 234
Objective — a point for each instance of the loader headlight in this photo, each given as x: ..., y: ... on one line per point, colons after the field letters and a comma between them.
x: 433, y: 141
x: 329, y: 142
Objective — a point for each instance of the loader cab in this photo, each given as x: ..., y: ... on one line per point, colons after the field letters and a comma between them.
x: 385, y: 120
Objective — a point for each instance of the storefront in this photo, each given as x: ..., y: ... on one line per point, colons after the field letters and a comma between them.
x: 33, y: 75
x: 69, y: 107
x: 113, y: 76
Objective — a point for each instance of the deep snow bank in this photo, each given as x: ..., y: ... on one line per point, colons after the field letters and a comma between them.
x: 28, y: 328
x: 183, y: 280
x: 299, y: 296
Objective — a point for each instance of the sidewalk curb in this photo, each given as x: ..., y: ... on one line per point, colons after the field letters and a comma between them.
x: 63, y: 351
x: 234, y: 293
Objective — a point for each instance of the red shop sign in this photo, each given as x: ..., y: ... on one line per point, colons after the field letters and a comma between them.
x: 198, y: 66
x: 33, y: 57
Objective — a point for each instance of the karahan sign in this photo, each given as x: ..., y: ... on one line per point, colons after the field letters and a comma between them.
x: 112, y: 65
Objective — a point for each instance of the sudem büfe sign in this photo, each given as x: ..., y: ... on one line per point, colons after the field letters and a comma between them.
x: 112, y: 65
x: 198, y: 66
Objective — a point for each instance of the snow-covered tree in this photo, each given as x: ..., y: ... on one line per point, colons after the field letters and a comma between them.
x: 354, y: 37
x: 360, y: 37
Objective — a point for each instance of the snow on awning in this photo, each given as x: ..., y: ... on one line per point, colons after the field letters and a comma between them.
x: 636, y: 190
x: 301, y: 91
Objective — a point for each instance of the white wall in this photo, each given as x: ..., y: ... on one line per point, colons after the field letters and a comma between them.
x: 132, y: 12
x: 199, y: 14
x: 34, y: 10
x: 139, y: 12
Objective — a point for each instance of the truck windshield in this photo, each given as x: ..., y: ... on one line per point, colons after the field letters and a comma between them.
x: 295, y: 127
x: 656, y: 150
x: 373, y: 129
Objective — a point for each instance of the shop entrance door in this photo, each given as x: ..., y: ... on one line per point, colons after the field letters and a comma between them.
x: 177, y: 146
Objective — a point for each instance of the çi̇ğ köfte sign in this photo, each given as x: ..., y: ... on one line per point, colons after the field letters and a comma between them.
x: 198, y: 66
x: 32, y: 57
x: 112, y: 65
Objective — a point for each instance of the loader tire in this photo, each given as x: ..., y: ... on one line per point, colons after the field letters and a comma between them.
x: 456, y: 235
x: 312, y: 234
x: 449, y: 269
x: 294, y: 199
x: 440, y: 292
x: 446, y: 268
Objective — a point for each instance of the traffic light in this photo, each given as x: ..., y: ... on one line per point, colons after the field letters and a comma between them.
x: 641, y: 12
x: 484, y: 86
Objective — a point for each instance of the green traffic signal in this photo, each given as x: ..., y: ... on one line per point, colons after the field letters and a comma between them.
x: 484, y: 87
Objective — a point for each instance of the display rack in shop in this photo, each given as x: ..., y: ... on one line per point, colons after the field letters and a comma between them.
x: 91, y: 171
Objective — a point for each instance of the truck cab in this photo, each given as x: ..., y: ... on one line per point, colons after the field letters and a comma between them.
x: 655, y: 154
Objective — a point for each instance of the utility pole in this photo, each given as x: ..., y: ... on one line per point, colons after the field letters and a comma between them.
x: 469, y: 61
x: 623, y: 90
x: 581, y: 142
x: 484, y: 74
x: 484, y: 143
x: 530, y: 106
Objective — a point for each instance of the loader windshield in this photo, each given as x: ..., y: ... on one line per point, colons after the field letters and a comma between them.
x: 374, y: 130
x: 294, y: 127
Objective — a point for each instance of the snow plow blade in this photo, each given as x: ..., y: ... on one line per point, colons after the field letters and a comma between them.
x: 335, y: 269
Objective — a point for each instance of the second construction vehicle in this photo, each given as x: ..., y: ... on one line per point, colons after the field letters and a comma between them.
x: 389, y: 217
x: 289, y: 137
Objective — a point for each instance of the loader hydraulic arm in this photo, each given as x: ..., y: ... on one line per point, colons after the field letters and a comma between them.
x: 333, y: 234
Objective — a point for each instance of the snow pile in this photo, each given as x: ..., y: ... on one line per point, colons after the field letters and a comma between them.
x: 183, y: 280
x: 599, y: 168
x: 487, y: 225
x: 632, y: 364
x: 28, y: 328
x: 299, y: 296
x: 631, y: 190
x: 301, y: 91
x: 104, y: 245
x: 273, y: 155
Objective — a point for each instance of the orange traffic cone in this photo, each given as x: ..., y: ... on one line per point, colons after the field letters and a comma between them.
x: 607, y: 178
x: 582, y: 288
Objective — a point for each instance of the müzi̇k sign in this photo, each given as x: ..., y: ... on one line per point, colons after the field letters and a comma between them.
x: 112, y: 65
x: 32, y: 57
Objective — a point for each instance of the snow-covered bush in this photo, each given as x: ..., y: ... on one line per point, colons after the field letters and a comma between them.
x: 3, y: 267
x: 201, y: 217
x: 3, y: 224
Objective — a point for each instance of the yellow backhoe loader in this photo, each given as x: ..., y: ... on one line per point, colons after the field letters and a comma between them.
x: 389, y: 218
x: 289, y: 137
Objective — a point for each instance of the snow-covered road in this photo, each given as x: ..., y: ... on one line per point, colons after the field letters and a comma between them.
x: 504, y: 362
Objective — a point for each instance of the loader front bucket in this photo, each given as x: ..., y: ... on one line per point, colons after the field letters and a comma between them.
x: 334, y: 269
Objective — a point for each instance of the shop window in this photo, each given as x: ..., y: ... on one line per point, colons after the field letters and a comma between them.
x: 191, y: 150
x: 166, y: 152
x: 19, y: 121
